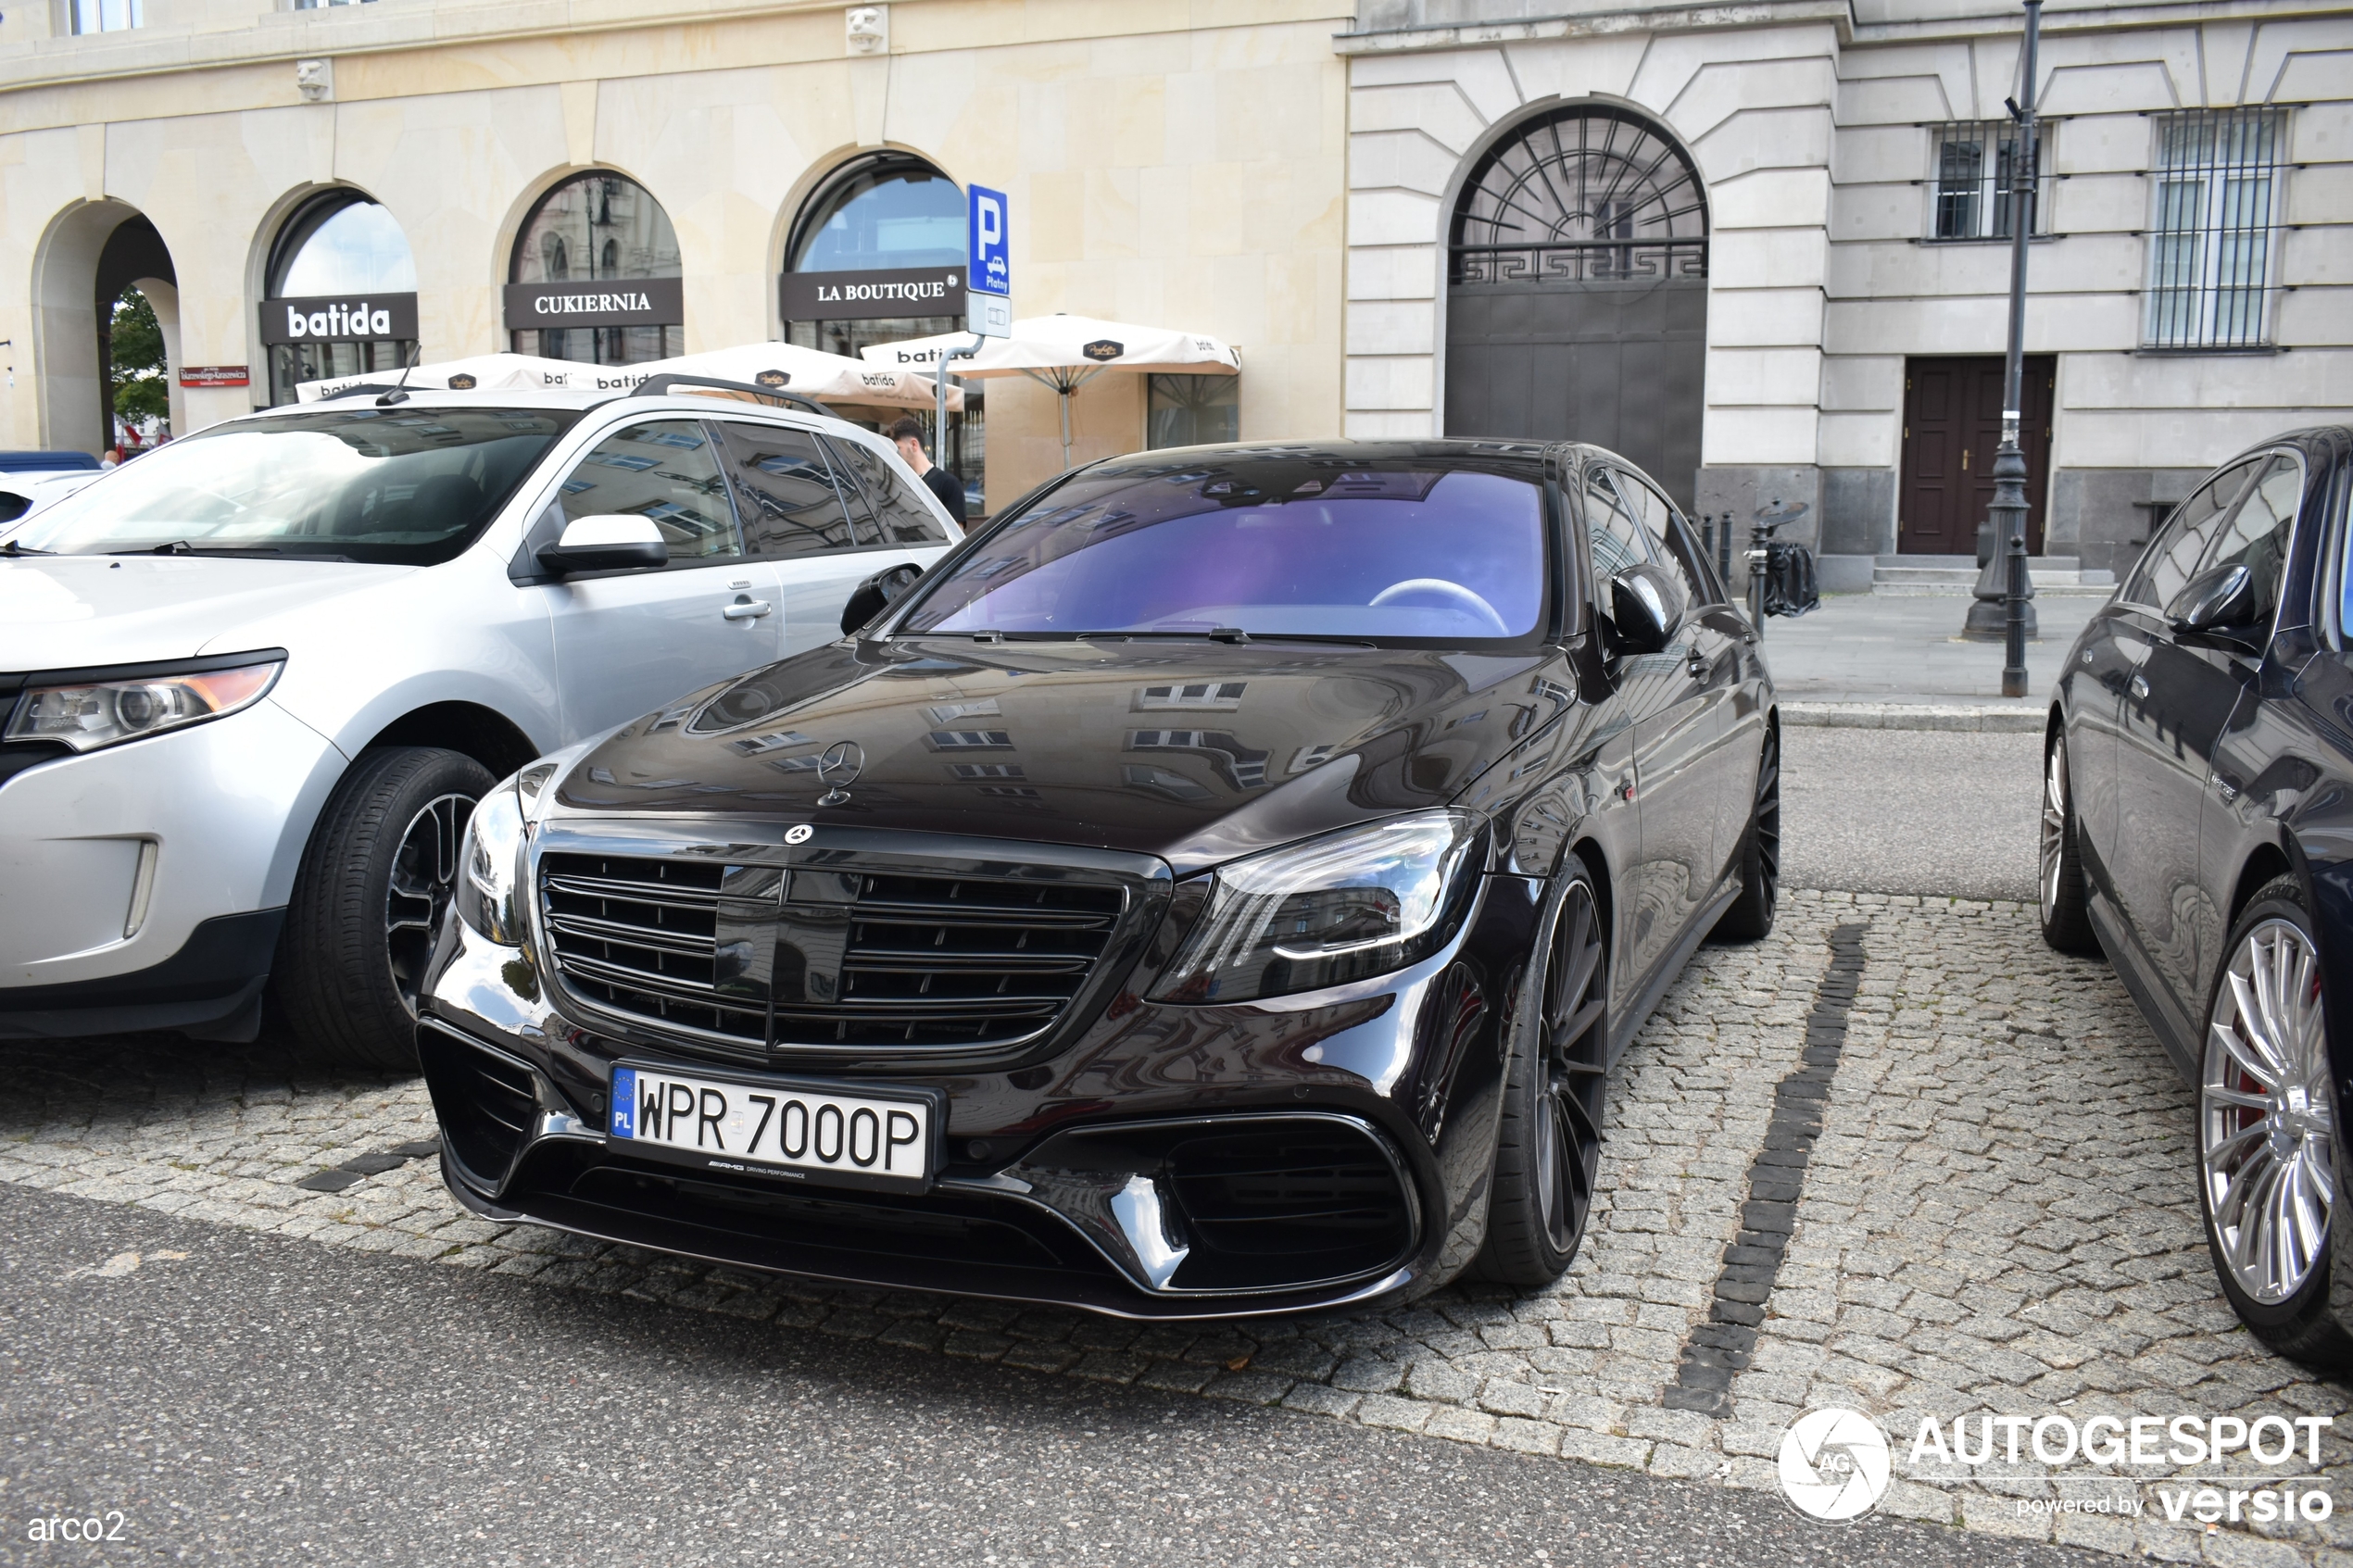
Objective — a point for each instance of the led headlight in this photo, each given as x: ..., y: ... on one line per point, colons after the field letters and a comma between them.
x: 1365, y: 902
x: 88, y: 714
x: 491, y: 865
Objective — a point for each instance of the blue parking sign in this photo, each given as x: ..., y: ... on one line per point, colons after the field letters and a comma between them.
x: 991, y: 266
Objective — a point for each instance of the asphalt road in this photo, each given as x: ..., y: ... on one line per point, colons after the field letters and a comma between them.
x: 236, y: 1398
x: 1950, y: 812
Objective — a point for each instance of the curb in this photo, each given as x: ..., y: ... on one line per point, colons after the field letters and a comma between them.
x: 1982, y: 718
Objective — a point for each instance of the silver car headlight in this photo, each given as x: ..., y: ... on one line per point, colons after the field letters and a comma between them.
x: 88, y: 714
x: 1365, y: 902
x: 490, y: 861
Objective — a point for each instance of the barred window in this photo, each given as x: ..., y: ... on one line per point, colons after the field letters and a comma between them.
x: 2213, y: 233
x: 1976, y: 179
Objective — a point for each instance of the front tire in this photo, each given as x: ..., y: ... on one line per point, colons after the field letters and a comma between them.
x: 2067, y: 919
x: 2266, y: 1128
x: 368, y: 903
x: 1548, y: 1147
x: 1750, y: 918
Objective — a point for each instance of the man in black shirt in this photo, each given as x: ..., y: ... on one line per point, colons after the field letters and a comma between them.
x: 906, y: 432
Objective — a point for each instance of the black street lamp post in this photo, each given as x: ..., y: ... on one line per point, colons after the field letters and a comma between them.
x: 2002, y: 607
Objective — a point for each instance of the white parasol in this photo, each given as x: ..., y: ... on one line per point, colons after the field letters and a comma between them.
x: 829, y: 378
x: 1065, y: 352
x: 486, y: 373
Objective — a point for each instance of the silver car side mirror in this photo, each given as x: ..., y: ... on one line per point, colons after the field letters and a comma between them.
x: 611, y: 543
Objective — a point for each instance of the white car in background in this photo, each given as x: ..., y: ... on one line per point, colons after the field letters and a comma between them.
x: 254, y: 682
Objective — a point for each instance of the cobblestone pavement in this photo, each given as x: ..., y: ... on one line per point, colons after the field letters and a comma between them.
x: 1996, y: 1217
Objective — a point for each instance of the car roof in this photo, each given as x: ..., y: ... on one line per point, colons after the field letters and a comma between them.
x: 695, y: 404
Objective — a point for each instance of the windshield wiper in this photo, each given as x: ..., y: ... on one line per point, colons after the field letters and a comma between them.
x: 13, y: 549
x: 1232, y: 635
x: 182, y: 547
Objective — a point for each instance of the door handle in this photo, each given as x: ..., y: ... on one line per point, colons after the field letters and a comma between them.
x: 747, y: 609
x: 2140, y: 687
x: 1695, y: 666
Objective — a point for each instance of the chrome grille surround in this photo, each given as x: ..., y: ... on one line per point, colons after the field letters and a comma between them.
x: 878, y: 946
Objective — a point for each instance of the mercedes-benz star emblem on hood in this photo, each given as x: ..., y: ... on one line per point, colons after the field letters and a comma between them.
x: 838, y: 769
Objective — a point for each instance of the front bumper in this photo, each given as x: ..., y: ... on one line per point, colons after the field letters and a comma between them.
x: 1309, y: 1152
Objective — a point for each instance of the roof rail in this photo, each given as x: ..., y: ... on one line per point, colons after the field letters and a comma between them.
x: 655, y: 386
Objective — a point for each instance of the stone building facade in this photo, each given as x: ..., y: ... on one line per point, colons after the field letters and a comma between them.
x: 2189, y: 292
x: 1761, y: 249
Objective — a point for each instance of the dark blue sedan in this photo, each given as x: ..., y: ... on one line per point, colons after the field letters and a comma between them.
x: 2198, y: 826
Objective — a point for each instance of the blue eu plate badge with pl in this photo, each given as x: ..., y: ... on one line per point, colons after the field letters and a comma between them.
x: 776, y: 1128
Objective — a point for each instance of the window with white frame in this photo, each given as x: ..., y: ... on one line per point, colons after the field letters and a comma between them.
x: 320, y: 4
x: 2213, y: 249
x: 1975, y: 177
x: 107, y: 16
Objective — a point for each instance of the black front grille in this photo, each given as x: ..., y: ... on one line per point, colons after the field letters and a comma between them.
x: 640, y: 935
x: 845, y: 957
x: 1280, y: 1205
x: 937, y: 960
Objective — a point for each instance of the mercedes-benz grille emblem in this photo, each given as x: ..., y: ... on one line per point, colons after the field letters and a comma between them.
x: 838, y: 769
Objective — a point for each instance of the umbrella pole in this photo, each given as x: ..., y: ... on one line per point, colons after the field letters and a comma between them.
x: 1065, y: 392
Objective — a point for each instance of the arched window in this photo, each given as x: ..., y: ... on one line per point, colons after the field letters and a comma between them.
x: 1585, y: 191
x: 613, y: 225
x: 343, y: 248
x: 888, y: 212
x: 1577, y: 291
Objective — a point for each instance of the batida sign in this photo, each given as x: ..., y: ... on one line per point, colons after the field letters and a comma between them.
x: 354, y: 317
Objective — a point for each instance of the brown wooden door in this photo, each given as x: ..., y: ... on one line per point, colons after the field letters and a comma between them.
x: 1952, y: 428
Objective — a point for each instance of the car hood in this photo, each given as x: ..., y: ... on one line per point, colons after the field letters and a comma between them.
x: 1194, y: 752
x: 71, y: 612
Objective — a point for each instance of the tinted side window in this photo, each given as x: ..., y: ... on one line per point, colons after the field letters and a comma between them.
x: 903, y: 517
x: 1665, y: 540
x: 2257, y: 536
x: 663, y: 470
x: 791, y: 499
x: 2173, y: 554
x: 1617, y: 540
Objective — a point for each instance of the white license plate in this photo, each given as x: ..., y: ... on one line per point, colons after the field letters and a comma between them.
x: 775, y: 1128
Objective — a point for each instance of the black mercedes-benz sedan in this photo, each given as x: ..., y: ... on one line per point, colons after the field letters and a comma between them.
x: 1220, y: 885
x: 2197, y: 826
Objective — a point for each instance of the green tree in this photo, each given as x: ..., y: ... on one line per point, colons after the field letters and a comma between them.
x: 136, y: 343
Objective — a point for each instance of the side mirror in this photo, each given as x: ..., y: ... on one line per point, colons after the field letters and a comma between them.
x: 2219, y: 600
x: 874, y: 596
x: 1646, y: 609
x: 616, y: 542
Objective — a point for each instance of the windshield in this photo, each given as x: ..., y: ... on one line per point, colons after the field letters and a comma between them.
x: 409, y: 487
x: 1278, y: 546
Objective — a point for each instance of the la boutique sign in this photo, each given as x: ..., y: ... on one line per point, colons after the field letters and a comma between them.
x: 340, y: 318
x: 869, y: 296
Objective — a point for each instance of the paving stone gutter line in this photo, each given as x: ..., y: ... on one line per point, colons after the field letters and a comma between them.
x: 1724, y: 1344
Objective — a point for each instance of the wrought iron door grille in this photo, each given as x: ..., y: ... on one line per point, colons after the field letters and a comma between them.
x: 2214, y: 229
x: 1583, y: 195
x: 1975, y: 180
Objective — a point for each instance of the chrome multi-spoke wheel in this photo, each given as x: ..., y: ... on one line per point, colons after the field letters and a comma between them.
x: 1548, y: 1145
x: 2265, y: 1114
x: 2066, y: 923
x: 425, y: 876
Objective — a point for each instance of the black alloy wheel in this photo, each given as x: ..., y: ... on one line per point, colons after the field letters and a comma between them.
x: 2266, y: 1132
x: 1750, y: 916
x: 1548, y: 1147
x: 2067, y: 919
x: 369, y: 902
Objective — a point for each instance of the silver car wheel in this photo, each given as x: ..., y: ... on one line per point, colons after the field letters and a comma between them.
x: 2054, y: 843
x: 2266, y: 1115
x: 425, y: 876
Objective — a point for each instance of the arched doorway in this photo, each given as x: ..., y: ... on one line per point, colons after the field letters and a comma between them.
x: 340, y: 293
x: 96, y: 256
x: 889, y: 212
x: 598, y: 229
x: 1577, y: 291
